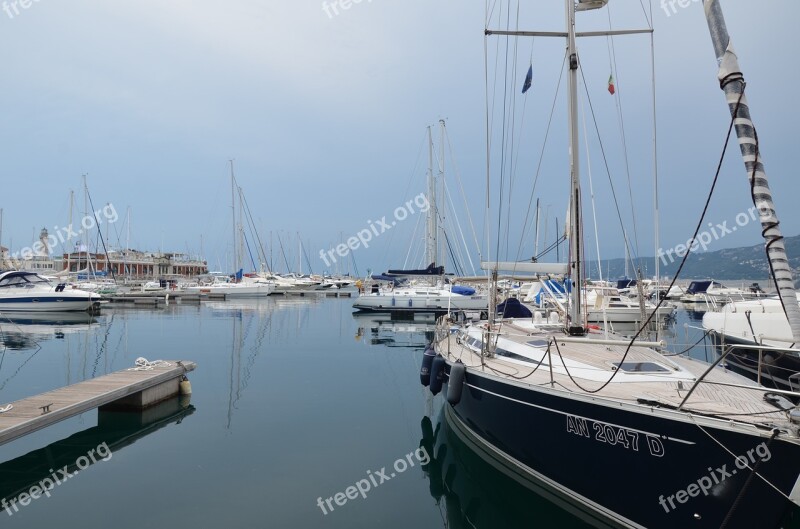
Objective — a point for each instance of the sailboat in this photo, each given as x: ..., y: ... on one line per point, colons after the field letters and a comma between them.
x: 423, y: 290
x: 238, y: 285
x: 608, y: 424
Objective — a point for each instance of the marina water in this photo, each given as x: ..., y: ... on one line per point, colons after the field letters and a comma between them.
x: 302, y: 415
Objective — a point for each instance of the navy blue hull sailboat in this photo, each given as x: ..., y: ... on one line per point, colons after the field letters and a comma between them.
x: 610, y: 424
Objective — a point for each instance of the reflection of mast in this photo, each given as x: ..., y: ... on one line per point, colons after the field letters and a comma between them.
x: 236, y: 350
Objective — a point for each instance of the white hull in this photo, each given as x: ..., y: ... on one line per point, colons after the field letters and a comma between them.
x: 626, y: 315
x: 29, y: 292
x: 234, y: 291
x: 760, y: 321
x: 401, y: 303
x: 57, y: 305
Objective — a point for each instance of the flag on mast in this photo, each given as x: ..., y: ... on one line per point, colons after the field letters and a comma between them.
x: 528, y: 80
x: 611, y: 88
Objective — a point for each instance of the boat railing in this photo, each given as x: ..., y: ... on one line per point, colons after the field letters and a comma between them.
x: 560, y: 306
x: 728, y: 351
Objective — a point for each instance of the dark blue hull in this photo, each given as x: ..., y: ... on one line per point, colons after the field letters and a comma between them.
x: 633, y: 466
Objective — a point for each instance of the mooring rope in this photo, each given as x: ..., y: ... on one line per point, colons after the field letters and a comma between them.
x: 143, y: 364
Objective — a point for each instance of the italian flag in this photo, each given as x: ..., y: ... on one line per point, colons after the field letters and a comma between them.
x: 611, y: 88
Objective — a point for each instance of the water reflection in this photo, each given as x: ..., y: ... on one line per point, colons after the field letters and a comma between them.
x: 414, y: 331
x: 117, y: 429
x: 24, y: 331
x: 254, y: 324
x: 475, y: 490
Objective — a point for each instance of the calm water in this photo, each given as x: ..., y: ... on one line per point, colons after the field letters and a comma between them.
x: 294, y: 400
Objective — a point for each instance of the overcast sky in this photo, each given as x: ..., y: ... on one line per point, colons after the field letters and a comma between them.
x: 325, y: 115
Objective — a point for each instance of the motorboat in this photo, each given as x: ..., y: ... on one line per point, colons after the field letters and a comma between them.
x: 30, y: 292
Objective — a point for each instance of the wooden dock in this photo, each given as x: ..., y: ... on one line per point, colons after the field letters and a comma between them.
x: 155, y: 299
x: 131, y: 388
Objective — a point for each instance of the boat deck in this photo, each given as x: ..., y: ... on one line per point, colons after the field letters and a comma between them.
x: 584, y: 367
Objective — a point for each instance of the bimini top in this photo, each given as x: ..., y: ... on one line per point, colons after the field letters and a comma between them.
x: 625, y: 283
x: 16, y: 278
x: 699, y: 287
x: 432, y: 270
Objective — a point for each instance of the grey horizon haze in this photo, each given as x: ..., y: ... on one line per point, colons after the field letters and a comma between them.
x: 326, y: 116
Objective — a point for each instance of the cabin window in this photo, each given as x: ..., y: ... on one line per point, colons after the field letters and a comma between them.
x: 641, y: 367
x: 538, y: 343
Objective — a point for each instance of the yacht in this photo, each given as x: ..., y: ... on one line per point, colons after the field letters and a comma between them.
x: 759, y: 327
x: 232, y: 289
x: 30, y: 292
x: 605, y: 304
x: 422, y: 298
x: 710, y: 291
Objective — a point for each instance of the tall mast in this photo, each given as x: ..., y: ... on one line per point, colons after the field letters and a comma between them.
x: 575, y: 323
x: 733, y: 84
x: 536, y: 238
x: 2, y: 255
x: 86, y: 232
x: 233, y: 216
x: 70, y: 248
x: 431, y: 239
x: 126, y: 268
x: 440, y: 247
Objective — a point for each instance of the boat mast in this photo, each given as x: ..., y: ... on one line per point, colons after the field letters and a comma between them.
x: 233, y: 216
x: 86, y: 232
x: 733, y: 84
x: 70, y: 248
x: 126, y: 268
x: 431, y: 241
x: 575, y: 323
x: 441, y: 241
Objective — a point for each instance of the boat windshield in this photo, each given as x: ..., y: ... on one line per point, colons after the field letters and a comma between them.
x: 22, y: 279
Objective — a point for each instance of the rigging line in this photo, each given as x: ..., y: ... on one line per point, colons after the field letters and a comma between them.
x: 99, y: 232
x: 605, y: 162
x: 503, y: 140
x: 512, y: 127
x: 591, y: 193
x: 463, y: 195
x: 644, y: 11
x: 680, y: 267
x: 765, y: 480
x: 489, y: 12
x: 410, y: 243
x: 541, y: 158
x: 456, y: 267
x: 460, y: 230
x: 253, y: 230
x: 35, y: 352
x: 552, y: 247
x: 411, y: 176
x: 524, y: 107
x: 621, y: 119
x: 656, y: 212
x: 491, y: 116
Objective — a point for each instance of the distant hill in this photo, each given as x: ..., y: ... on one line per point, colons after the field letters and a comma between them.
x: 749, y: 262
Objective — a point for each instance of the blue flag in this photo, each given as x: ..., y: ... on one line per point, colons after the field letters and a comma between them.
x: 528, y: 80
